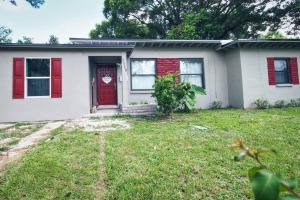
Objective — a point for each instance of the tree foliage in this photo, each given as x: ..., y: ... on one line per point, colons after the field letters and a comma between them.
x: 53, y: 40
x: 203, y: 19
x: 5, y: 34
x: 25, y: 40
x: 273, y: 35
x: 33, y: 3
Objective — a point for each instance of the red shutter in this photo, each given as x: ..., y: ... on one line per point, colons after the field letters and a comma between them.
x: 18, y: 78
x: 166, y: 66
x: 56, y: 78
x: 271, y: 71
x: 294, y: 71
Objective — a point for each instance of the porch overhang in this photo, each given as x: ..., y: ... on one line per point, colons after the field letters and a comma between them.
x: 68, y: 47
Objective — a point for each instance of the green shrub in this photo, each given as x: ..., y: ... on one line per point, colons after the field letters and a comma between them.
x: 164, y: 90
x: 279, y: 104
x: 186, y: 96
x: 171, y: 96
x: 216, y: 105
x: 261, y: 103
x: 294, y: 103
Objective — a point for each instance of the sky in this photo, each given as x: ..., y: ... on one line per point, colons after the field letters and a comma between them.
x: 62, y: 18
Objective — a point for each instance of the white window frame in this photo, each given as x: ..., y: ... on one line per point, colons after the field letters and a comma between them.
x: 26, y: 78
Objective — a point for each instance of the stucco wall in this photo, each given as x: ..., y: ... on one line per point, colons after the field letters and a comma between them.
x: 255, y: 76
x: 75, y: 101
x: 214, y: 69
x: 234, y: 77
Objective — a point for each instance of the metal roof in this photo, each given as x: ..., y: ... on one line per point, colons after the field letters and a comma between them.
x: 150, y: 42
x: 246, y: 43
x: 66, y: 46
x: 130, y: 44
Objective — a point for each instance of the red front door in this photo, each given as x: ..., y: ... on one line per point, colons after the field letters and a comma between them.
x: 107, y: 85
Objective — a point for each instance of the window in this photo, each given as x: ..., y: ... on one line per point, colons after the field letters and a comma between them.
x: 191, y: 70
x: 142, y: 74
x: 281, y: 71
x: 37, y: 75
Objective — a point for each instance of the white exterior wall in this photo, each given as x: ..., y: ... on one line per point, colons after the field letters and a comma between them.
x: 76, y: 92
x: 255, y: 76
x: 234, y: 76
x: 214, y: 69
x: 237, y: 78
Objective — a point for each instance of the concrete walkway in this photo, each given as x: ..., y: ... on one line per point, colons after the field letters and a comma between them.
x: 26, y: 143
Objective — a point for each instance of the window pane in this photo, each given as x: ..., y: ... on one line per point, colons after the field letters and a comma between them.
x: 142, y: 67
x: 193, y: 79
x: 143, y: 82
x: 282, y: 77
x: 190, y: 66
x: 38, y: 68
x: 38, y: 87
x: 280, y: 65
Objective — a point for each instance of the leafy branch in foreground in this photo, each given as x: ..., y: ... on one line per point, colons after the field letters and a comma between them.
x: 265, y: 185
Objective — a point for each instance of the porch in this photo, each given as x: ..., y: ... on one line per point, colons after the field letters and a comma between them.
x: 109, y: 87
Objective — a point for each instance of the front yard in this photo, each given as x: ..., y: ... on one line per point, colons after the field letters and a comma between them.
x: 157, y: 158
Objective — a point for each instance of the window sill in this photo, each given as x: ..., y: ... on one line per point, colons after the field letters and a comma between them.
x: 142, y: 92
x: 284, y: 85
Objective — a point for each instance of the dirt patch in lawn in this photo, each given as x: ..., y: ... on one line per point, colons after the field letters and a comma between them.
x: 18, y: 130
x: 15, y: 151
x: 100, y: 185
x: 97, y: 124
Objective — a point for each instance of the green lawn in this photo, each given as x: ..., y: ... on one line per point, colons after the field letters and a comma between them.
x: 63, y: 168
x: 159, y: 158
x: 17, y: 131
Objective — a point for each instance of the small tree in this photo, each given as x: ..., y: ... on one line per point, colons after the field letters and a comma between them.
x: 164, y: 90
x: 171, y: 95
x: 5, y: 34
x: 185, y: 94
x: 25, y: 40
x: 53, y: 39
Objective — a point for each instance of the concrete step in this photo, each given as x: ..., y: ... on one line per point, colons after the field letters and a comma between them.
x: 134, y: 110
x: 139, y: 108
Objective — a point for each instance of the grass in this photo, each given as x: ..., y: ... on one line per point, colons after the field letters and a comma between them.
x: 16, y: 132
x: 63, y: 168
x: 20, y: 129
x: 159, y: 158
x: 169, y: 159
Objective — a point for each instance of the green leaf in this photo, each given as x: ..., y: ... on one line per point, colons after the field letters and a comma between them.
x: 252, y: 172
x: 198, y: 90
x: 289, y: 197
x: 188, y: 105
x: 265, y: 185
x: 292, y: 183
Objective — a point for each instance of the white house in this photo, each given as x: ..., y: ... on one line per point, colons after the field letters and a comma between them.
x: 64, y: 81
